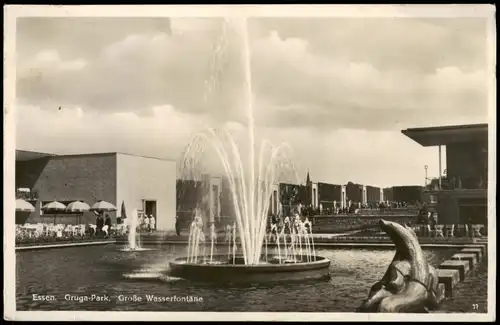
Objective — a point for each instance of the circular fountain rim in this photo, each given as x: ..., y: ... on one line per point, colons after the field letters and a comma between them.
x: 180, y: 261
x: 142, y: 249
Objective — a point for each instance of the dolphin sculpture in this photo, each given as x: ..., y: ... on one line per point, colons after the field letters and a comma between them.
x: 410, y: 284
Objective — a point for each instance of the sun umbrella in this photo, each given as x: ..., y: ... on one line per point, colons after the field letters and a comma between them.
x: 24, y: 206
x: 103, y: 206
x: 54, y: 206
x: 78, y: 206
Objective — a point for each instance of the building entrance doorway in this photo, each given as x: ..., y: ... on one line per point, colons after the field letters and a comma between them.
x: 150, y: 209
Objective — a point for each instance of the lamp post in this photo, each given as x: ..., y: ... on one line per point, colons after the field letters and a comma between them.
x: 425, y: 167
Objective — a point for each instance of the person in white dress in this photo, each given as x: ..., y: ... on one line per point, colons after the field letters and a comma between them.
x: 146, y: 223
x: 152, y: 223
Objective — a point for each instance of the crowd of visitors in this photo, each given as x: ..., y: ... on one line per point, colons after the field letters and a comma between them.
x: 351, y: 208
x: 147, y: 223
x: 103, y: 223
x: 102, y: 228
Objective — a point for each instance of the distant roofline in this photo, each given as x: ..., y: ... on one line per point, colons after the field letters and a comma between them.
x: 329, y: 183
x: 54, y: 155
x: 447, y: 127
x: 29, y: 155
x: 36, y: 152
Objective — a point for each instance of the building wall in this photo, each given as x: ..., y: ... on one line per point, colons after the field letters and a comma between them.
x: 373, y: 194
x: 142, y: 178
x: 226, y: 200
x: 354, y: 192
x: 408, y: 194
x: 388, y: 194
x: 469, y: 162
x: 188, y: 195
x: 328, y: 193
x: 462, y: 207
x: 87, y: 178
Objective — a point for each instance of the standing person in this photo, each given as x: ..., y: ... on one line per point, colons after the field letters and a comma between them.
x: 152, y: 223
x: 146, y: 223
x: 177, y: 226
x: 433, y: 219
x: 108, y: 222
x: 96, y: 231
x: 99, y: 224
x: 140, y: 222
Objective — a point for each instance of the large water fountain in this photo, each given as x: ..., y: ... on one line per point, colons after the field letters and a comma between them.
x: 255, y: 250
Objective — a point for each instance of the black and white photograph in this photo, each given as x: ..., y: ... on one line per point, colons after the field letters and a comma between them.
x: 265, y: 162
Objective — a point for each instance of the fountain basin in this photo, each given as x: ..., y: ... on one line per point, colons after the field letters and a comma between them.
x: 219, y: 271
x: 141, y: 249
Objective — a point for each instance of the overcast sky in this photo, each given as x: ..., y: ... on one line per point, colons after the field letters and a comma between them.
x: 338, y: 90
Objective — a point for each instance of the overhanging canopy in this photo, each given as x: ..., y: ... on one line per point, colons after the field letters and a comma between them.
x: 443, y: 135
x: 23, y: 155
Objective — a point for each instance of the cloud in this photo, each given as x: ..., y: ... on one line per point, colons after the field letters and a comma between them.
x: 50, y: 59
x: 322, y: 92
x: 339, y: 90
x: 375, y: 68
x: 414, y: 44
x: 72, y: 130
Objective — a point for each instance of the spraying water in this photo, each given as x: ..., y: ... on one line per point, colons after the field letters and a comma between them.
x: 133, y: 243
x: 250, y: 184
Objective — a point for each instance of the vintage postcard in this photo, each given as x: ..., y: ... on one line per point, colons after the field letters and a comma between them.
x: 271, y: 162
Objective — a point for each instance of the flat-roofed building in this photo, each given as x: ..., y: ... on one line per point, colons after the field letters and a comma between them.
x: 143, y: 183
x: 462, y: 194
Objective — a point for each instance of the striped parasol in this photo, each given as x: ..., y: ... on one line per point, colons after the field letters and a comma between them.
x: 54, y: 206
x: 103, y: 206
x: 78, y: 206
x: 24, y: 206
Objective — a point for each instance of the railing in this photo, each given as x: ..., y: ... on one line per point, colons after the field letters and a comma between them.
x: 389, y: 211
x: 342, y: 223
x: 450, y: 230
x: 456, y: 184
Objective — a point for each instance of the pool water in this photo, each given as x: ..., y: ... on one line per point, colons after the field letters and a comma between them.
x: 99, y: 270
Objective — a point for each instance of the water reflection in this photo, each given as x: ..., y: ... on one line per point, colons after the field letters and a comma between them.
x: 100, y: 270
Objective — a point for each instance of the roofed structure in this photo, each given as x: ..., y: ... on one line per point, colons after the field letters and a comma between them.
x: 443, y: 135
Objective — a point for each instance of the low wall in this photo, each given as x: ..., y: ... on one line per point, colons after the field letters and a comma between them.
x: 342, y: 223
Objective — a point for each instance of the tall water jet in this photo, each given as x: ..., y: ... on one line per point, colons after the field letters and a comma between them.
x: 132, y: 232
